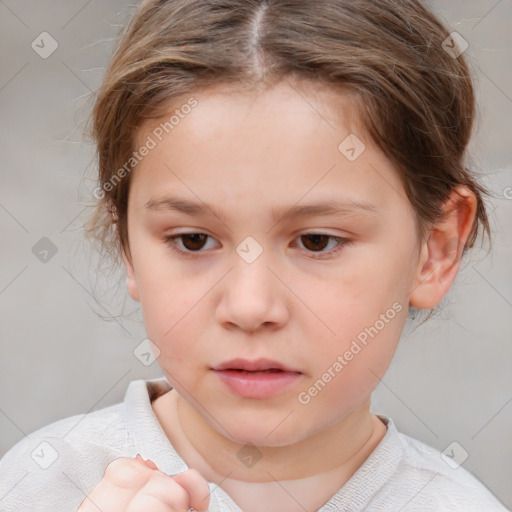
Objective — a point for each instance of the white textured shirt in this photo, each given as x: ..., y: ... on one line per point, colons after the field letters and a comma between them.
x: 54, y: 468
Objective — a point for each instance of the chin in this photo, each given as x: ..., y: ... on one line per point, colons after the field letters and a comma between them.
x: 264, y: 433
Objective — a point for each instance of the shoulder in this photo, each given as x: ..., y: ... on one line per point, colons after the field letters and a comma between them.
x: 59, y: 463
x: 427, y: 479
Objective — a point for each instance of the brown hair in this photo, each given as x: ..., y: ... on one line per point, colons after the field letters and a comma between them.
x: 415, y: 99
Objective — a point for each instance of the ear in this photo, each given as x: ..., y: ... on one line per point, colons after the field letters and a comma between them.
x: 441, y: 252
x: 131, y: 281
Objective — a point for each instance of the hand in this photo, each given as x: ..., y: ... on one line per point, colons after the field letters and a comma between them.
x: 135, y: 485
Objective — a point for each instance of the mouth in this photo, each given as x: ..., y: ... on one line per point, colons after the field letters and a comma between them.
x: 257, y: 379
x: 258, y: 365
x: 269, y: 370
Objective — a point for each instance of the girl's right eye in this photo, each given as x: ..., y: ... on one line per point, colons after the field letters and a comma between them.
x: 192, y: 242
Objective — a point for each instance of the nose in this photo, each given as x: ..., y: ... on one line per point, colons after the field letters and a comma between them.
x: 252, y: 298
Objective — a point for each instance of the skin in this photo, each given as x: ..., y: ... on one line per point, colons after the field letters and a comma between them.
x: 245, y: 154
x: 134, y: 484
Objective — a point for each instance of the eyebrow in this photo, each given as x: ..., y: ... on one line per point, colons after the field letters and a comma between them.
x: 326, y: 207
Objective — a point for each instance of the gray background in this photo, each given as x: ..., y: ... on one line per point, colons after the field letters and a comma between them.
x: 67, y: 338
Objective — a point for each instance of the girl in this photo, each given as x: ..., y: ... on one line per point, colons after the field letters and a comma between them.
x: 283, y: 181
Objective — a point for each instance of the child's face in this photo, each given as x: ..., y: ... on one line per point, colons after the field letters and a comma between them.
x: 246, y: 155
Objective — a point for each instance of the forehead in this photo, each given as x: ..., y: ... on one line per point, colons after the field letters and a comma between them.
x: 299, y: 106
x: 280, y: 143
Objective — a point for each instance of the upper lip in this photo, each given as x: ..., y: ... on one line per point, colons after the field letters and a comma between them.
x: 253, y: 365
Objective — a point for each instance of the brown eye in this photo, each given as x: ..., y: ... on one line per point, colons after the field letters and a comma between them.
x: 188, y: 244
x: 193, y: 241
x: 315, y: 242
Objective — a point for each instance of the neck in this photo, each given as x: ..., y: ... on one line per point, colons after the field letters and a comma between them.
x: 341, y: 447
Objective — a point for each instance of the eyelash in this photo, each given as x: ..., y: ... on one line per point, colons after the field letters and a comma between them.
x: 171, y: 241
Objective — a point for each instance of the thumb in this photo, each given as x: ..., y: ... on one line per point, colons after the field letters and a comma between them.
x: 196, y: 486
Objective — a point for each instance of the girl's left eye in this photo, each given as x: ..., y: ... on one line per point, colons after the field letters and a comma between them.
x: 194, y: 242
x: 312, y: 240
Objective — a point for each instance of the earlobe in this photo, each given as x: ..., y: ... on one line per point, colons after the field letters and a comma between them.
x: 131, y: 281
x: 442, y: 251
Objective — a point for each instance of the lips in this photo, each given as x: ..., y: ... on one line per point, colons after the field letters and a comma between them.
x: 259, y: 379
x: 257, y: 365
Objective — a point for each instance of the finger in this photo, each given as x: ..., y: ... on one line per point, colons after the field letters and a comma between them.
x: 107, y: 496
x: 196, y: 486
x: 161, y: 492
x: 127, y: 473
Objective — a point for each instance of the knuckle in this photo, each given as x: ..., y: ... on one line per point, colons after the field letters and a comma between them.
x: 194, y: 473
x: 125, y: 472
x: 197, y: 479
x: 168, y: 491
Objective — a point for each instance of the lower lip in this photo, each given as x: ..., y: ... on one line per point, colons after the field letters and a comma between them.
x: 260, y: 385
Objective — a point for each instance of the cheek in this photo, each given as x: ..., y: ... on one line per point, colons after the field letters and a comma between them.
x: 353, y: 295
x: 172, y: 322
x: 170, y: 307
x: 363, y: 309
x: 348, y: 369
